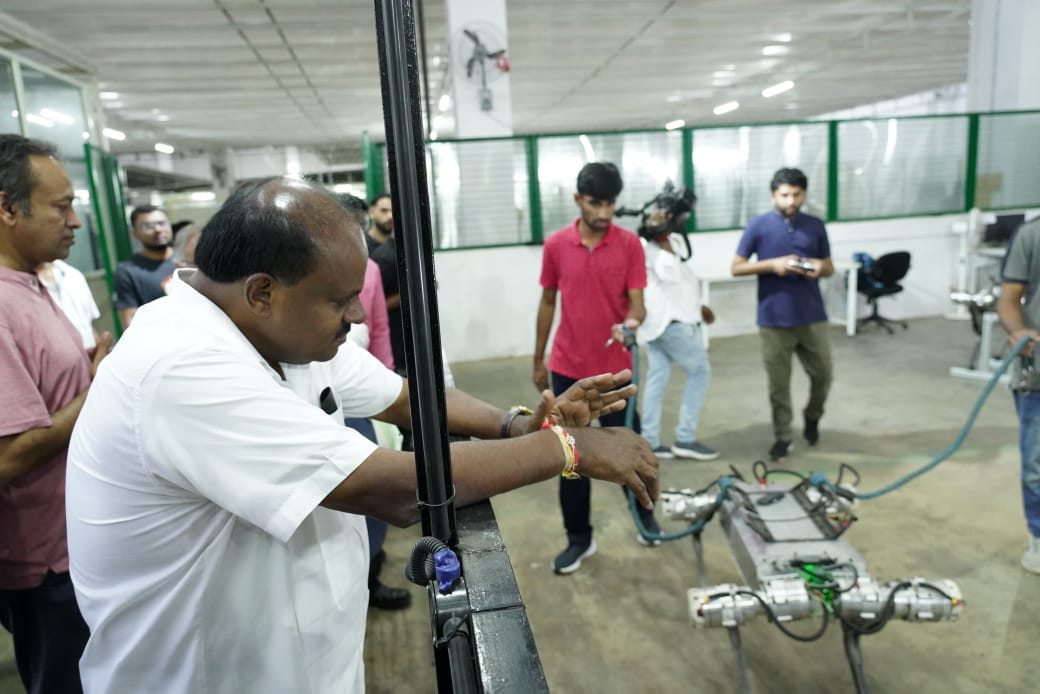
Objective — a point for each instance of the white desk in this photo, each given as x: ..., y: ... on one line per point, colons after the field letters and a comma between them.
x: 849, y: 271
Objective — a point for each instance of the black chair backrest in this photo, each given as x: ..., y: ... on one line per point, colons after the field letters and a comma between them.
x: 891, y: 267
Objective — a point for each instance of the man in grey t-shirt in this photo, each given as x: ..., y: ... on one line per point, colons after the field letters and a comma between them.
x: 1019, y: 311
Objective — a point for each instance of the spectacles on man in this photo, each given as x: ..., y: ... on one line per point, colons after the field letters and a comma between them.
x: 149, y: 226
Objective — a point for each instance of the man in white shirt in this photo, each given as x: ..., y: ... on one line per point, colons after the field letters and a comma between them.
x: 672, y: 328
x: 69, y: 289
x: 225, y: 551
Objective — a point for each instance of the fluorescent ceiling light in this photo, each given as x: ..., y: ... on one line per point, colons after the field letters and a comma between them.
x: 108, y: 96
x: 725, y: 108
x: 782, y: 38
x: 343, y: 188
x: 673, y: 124
x: 39, y: 120
x: 56, y: 116
x: 164, y: 148
x: 775, y: 50
x: 162, y: 118
x: 113, y: 134
x: 780, y: 88
x: 203, y: 196
x: 433, y: 134
x: 444, y: 103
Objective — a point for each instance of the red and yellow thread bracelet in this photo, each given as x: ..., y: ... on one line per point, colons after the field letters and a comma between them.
x: 570, y: 450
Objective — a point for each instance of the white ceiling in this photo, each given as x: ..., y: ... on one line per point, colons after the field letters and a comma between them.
x: 207, y: 74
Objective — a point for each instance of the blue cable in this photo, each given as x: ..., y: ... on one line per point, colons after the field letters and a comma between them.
x: 818, y: 479
x: 964, y: 430
x: 630, y: 417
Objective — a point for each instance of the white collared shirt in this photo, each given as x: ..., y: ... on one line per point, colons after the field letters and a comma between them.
x: 72, y: 294
x: 201, y: 559
x: 672, y: 289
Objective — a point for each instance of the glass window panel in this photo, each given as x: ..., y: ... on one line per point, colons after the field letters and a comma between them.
x: 8, y: 103
x: 893, y: 167
x: 645, y: 161
x: 479, y: 193
x: 54, y: 113
x: 1008, y: 161
x: 732, y: 168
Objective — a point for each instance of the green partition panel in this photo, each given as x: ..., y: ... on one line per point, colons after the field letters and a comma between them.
x: 899, y: 167
x: 645, y: 159
x: 1008, y: 166
x: 106, y: 196
x: 520, y: 189
x: 733, y: 167
x: 478, y: 192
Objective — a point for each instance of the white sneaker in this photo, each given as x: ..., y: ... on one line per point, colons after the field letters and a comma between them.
x: 1031, y: 559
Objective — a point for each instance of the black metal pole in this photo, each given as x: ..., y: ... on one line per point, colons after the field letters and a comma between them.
x: 421, y: 24
x: 399, y: 75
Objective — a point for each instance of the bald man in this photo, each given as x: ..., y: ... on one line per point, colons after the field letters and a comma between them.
x: 226, y: 549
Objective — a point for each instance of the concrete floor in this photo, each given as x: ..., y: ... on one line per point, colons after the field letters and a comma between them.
x: 620, y: 623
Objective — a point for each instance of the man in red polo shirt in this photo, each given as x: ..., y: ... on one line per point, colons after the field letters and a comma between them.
x: 600, y: 272
x: 45, y: 374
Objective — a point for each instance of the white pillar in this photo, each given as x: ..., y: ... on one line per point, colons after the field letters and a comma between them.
x: 1004, y: 54
x: 481, y: 100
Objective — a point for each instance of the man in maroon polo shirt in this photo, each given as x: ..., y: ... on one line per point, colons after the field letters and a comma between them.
x: 599, y: 270
x: 45, y: 374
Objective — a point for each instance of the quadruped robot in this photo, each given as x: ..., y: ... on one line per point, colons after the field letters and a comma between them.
x: 787, y: 538
x: 787, y: 535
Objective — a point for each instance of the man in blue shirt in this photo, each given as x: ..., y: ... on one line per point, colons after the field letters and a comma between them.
x: 792, y: 252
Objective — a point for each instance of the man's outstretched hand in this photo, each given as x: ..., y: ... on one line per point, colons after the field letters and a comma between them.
x: 618, y: 454
x: 588, y: 399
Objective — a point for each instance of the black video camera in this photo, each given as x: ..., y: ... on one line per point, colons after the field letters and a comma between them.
x: 665, y: 214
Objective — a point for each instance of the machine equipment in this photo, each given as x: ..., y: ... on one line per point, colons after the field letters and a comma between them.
x: 787, y: 538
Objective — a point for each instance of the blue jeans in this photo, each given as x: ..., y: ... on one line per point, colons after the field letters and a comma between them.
x: 679, y: 343
x: 1028, y: 407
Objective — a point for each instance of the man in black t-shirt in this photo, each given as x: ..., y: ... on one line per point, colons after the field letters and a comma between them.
x: 143, y: 277
x: 382, y: 248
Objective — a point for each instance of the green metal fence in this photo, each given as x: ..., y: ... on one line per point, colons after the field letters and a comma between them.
x: 517, y: 190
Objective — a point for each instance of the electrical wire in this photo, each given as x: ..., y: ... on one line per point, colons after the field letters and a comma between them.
x: 762, y: 473
x: 787, y: 632
x: 959, y: 441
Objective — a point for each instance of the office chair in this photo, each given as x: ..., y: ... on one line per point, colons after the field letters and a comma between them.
x: 881, y: 278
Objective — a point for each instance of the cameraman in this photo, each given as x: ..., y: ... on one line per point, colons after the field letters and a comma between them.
x: 793, y: 251
x: 672, y: 329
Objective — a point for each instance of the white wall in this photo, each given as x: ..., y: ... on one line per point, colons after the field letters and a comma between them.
x: 488, y: 298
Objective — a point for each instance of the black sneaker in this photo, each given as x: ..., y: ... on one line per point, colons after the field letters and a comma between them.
x: 695, y: 450
x: 663, y: 452
x: 569, y: 560
x: 779, y: 450
x: 812, y: 431
x: 387, y: 598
